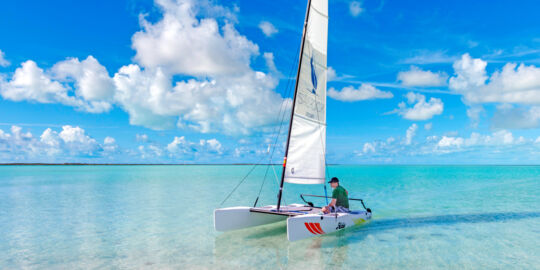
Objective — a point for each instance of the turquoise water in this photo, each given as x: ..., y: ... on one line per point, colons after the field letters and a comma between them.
x: 160, y: 217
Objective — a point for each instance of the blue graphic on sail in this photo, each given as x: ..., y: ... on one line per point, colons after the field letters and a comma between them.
x: 313, y: 76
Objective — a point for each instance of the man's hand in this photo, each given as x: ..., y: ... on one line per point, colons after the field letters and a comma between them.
x: 327, y: 208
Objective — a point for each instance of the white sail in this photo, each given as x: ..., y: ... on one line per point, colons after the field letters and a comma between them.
x: 305, y: 162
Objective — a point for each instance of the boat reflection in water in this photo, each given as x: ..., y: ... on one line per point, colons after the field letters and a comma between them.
x: 268, y: 245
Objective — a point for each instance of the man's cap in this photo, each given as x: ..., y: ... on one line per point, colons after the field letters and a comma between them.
x: 334, y: 180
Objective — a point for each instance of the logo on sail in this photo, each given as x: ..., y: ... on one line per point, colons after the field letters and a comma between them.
x: 313, y: 76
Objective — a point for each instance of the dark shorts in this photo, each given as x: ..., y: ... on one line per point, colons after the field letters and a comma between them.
x: 339, y: 209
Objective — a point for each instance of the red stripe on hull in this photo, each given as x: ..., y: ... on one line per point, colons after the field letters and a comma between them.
x: 309, y: 228
x: 318, y: 227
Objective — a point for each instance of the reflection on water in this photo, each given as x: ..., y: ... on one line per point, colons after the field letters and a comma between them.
x: 389, y: 224
x: 269, y: 243
x: 329, y: 251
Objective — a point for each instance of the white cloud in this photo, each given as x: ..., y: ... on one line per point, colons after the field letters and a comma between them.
x: 421, y: 110
x: 331, y: 74
x: 267, y: 28
x: 91, y: 78
x: 212, y: 145
x: 513, y: 84
x: 474, y: 113
x: 355, y: 8
x: 234, y: 105
x: 181, y: 43
x: 494, y: 148
x: 429, y: 57
x: 411, y: 132
x: 364, y: 92
x: 68, y: 145
x: 141, y: 137
x: 450, y: 142
x: 221, y: 93
x: 231, y: 98
x: 424, y: 78
x: 182, y: 147
x: 77, y: 141
x: 31, y: 83
x: 109, y: 144
x: 498, y: 138
x: 269, y: 58
x: 3, y: 61
x: 368, y: 147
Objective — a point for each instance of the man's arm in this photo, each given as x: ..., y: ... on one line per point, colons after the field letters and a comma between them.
x: 332, y: 202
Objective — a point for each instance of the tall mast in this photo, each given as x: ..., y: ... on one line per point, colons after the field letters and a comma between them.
x: 294, y: 103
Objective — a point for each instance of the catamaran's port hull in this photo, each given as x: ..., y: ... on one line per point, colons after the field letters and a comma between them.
x: 235, y: 218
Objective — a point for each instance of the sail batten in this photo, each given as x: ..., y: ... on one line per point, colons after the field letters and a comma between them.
x: 307, y: 140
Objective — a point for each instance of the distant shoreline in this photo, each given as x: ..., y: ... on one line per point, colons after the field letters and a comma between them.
x: 126, y: 164
x: 237, y: 164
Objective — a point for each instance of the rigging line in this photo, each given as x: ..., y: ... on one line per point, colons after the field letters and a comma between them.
x: 241, y: 181
x: 278, y: 129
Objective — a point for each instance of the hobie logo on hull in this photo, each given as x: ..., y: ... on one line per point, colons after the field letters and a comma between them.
x: 314, y: 228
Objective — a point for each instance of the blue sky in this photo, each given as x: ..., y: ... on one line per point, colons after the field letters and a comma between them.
x: 202, y: 81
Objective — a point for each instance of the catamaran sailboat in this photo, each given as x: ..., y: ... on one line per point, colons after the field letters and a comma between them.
x: 305, y: 159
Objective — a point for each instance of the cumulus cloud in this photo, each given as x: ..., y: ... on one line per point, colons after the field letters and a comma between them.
x: 411, y: 132
x: 519, y: 84
x: 421, y: 109
x: 368, y: 147
x: 217, y: 90
x: 3, y: 61
x: 355, y: 8
x: 69, y: 144
x: 31, y: 83
x: 364, y: 92
x: 180, y: 147
x: 91, y: 78
x: 109, y: 144
x: 331, y: 74
x: 497, y: 147
x: 234, y: 105
x: 513, y: 84
x: 498, y: 138
x: 230, y: 98
x: 182, y: 43
x: 423, y: 78
x: 267, y: 28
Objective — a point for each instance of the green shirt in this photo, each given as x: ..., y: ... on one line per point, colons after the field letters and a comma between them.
x: 342, y: 196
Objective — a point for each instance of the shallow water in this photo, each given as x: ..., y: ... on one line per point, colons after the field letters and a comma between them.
x: 160, y: 217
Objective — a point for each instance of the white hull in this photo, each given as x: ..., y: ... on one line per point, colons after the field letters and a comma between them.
x: 301, y: 223
x: 235, y: 218
x: 305, y: 226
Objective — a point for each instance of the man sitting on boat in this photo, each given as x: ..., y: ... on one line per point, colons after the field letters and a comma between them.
x: 340, y: 199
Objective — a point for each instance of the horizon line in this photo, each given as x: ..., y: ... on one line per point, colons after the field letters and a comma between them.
x: 235, y: 164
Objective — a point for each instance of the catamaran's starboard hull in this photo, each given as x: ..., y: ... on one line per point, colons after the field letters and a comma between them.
x: 235, y: 218
x: 305, y: 226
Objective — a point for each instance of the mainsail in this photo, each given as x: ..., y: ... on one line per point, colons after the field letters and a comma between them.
x: 305, y: 158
